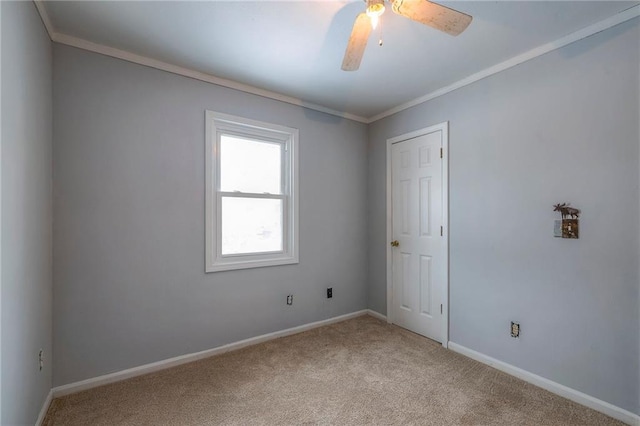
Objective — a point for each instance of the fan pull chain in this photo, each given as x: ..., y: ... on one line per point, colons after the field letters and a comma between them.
x: 380, y: 29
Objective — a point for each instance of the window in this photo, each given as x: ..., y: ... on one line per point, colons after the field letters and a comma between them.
x: 251, y: 199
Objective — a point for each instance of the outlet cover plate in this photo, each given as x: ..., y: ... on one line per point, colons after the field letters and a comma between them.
x: 515, y: 329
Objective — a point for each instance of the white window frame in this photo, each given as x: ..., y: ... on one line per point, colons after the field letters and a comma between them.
x: 218, y: 124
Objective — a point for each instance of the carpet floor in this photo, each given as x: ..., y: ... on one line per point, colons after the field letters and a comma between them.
x: 357, y: 372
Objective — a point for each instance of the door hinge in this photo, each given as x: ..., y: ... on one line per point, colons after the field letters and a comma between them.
x: 441, y: 309
x: 441, y: 155
x: 441, y: 231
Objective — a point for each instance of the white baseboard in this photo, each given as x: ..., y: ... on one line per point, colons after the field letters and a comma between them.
x: 561, y: 390
x: 45, y: 408
x: 377, y: 315
x: 70, y: 388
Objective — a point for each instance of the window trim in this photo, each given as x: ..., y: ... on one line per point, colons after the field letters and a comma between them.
x: 216, y: 125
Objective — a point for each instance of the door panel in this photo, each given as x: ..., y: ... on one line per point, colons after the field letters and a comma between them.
x: 425, y: 285
x: 404, y: 286
x: 405, y: 200
x: 420, y: 261
x: 425, y: 206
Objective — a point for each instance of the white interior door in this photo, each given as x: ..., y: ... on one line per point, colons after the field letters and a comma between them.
x: 419, y: 250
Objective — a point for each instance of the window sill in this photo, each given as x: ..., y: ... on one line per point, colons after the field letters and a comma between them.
x: 247, y: 264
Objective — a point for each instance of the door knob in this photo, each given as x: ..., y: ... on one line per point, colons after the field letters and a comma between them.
x: 395, y: 243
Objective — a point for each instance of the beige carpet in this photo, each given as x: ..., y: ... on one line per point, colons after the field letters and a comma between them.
x: 356, y: 372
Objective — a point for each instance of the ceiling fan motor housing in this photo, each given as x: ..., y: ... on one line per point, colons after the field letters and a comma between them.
x: 375, y: 7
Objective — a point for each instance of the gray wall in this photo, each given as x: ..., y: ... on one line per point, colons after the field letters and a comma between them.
x: 129, y: 278
x: 26, y: 212
x: 560, y: 128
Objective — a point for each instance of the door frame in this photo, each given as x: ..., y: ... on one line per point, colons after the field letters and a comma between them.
x: 444, y: 128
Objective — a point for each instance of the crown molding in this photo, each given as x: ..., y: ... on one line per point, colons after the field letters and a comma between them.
x: 179, y: 70
x: 68, y: 40
x: 197, y: 75
x: 517, y: 60
x: 44, y: 16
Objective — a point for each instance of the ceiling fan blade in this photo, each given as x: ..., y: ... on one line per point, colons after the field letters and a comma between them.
x: 357, y: 43
x: 432, y: 14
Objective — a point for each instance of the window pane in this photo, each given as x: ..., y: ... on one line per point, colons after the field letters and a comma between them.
x: 251, y: 225
x: 250, y: 165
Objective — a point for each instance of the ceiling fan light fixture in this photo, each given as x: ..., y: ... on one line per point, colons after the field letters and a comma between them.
x: 375, y: 8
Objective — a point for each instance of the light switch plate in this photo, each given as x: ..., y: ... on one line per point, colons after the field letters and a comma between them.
x: 557, y: 228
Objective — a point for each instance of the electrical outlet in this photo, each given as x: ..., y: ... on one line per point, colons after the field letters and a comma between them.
x: 290, y: 299
x: 40, y: 359
x: 515, y: 329
x: 329, y: 292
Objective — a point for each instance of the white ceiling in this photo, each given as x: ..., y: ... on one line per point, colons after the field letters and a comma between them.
x: 295, y: 48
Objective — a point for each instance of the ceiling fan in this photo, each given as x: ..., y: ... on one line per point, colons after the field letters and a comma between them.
x: 423, y: 11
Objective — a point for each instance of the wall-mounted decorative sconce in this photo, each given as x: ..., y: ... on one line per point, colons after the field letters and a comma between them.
x: 569, y: 227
